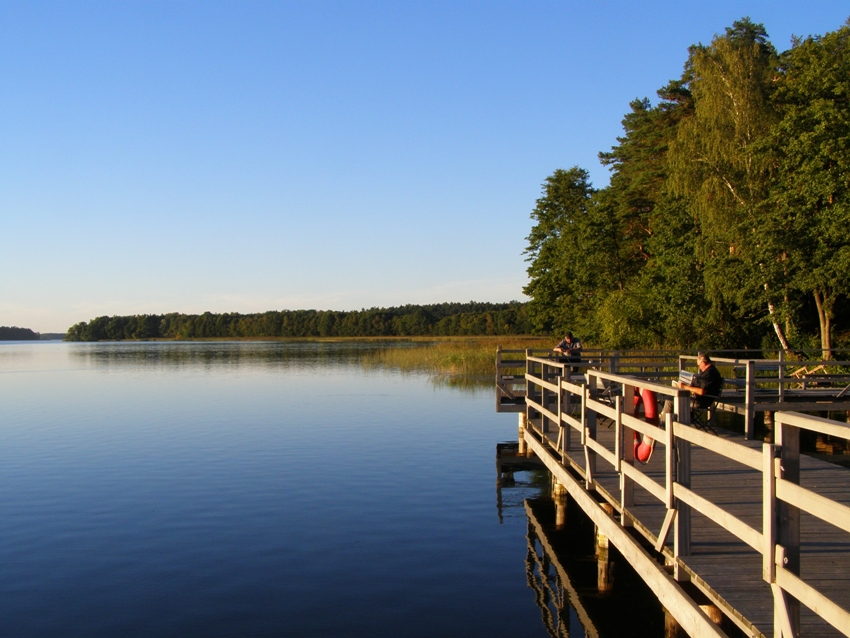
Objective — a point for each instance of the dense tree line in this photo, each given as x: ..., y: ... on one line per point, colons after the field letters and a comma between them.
x: 14, y: 333
x: 727, y: 218
x: 446, y: 319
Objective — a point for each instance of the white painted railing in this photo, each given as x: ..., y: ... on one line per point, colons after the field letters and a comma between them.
x: 569, y: 406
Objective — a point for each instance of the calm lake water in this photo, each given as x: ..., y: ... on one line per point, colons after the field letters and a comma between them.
x: 251, y: 489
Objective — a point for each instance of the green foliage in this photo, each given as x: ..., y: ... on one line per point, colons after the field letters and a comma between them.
x: 447, y: 319
x: 812, y: 192
x: 13, y: 333
x: 725, y: 221
x: 574, y: 254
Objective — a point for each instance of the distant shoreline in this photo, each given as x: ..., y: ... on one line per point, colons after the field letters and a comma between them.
x: 418, y: 338
x: 15, y: 333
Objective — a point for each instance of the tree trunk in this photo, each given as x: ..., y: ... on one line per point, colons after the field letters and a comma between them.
x: 776, y: 327
x: 824, y: 312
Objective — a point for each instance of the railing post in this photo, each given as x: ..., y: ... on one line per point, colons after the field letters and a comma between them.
x: 498, y: 376
x: 749, y: 398
x: 788, y: 520
x: 781, y: 376
x: 564, y: 406
x: 544, y: 398
x: 618, y: 433
x: 529, y: 368
x: 589, y: 431
x: 669, y: 461
x: 682, y: 536
x: 523, y: 423
x: 559, y: 495
x: 627, y: 485
x: 768, y: 526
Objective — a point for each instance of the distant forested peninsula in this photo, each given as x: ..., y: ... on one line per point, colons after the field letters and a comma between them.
x: 14, y: 333
x: 445, y: 319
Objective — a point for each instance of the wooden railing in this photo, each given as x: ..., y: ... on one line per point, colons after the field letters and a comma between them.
x: 568, y: 406
x: 769, y: 385
x: 750, y: 385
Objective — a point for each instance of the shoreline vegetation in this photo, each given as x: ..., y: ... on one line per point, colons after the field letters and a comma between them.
x: 14, y: 333
x: 445, y: 319
x: 468, y: 360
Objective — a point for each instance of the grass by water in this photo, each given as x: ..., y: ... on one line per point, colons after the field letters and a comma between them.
x: 470, y: 358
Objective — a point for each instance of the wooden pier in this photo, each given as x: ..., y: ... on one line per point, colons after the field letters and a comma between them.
x: 762, y: 531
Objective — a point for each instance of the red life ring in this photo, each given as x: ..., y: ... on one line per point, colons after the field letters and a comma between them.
x: 644, y: 446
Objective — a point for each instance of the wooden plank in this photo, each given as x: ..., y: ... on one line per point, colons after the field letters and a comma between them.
x: 552, y: 416
x: 655, y: 387
x: 600, y: 450
x: 571, y: 421
x: 572, y: 387
x: 650, y: 430
x: 669, y: 461
x: 670, y: 594
x: 530, y: 378
x: 734, y: 451
x: 658, y: 491
x: 768, y: 512
x: 533, y: 404
x: 601, y: 408
x: 824, y: 508
x: 720, y: 516
x: 814, y: 600
x: 814, y: 424
x: 665, y: 529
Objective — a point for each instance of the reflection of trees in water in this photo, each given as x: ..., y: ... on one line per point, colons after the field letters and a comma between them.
x: 273, y: 354
x: 226, y: 354
x: 471, y: 384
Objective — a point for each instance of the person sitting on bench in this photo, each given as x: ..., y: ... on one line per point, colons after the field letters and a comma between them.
x: 570, y: 350
x: 705, y: 388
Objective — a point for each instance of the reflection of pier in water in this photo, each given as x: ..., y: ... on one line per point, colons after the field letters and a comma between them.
x: 509, y: 462
x: 559, y: 601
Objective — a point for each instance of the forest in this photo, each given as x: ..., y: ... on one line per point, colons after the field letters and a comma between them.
x: 726, y: 221
x: 13, y: 333
x: 446, y: 319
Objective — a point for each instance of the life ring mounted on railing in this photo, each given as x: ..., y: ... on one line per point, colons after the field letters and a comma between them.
x: 645, y: 445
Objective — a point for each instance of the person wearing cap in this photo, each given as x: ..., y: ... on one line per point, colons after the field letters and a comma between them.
x: 570, y: 349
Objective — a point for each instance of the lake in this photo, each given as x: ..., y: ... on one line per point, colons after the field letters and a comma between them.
x: 251, y: 489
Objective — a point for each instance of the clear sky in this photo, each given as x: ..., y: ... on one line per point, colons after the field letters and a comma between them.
x: 251, y: 156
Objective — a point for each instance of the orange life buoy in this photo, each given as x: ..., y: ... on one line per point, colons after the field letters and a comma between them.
x: 644, y: 446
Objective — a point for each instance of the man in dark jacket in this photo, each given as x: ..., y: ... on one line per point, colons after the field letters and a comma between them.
x: 570, y: 349
x: 707, y: 384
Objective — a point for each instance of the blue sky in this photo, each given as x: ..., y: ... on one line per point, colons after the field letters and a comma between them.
x: 250, y: 156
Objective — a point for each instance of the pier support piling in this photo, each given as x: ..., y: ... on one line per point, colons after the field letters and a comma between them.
x: 559, y: 495
x: 523, y: 421
x: 605, y: 568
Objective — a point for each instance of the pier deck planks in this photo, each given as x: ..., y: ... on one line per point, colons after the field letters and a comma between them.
x: 725, y: 564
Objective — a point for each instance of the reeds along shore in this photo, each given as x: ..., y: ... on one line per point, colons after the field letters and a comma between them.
x: 466, y: 359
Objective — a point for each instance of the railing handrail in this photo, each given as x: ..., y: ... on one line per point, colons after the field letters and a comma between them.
x: 775, y: 462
